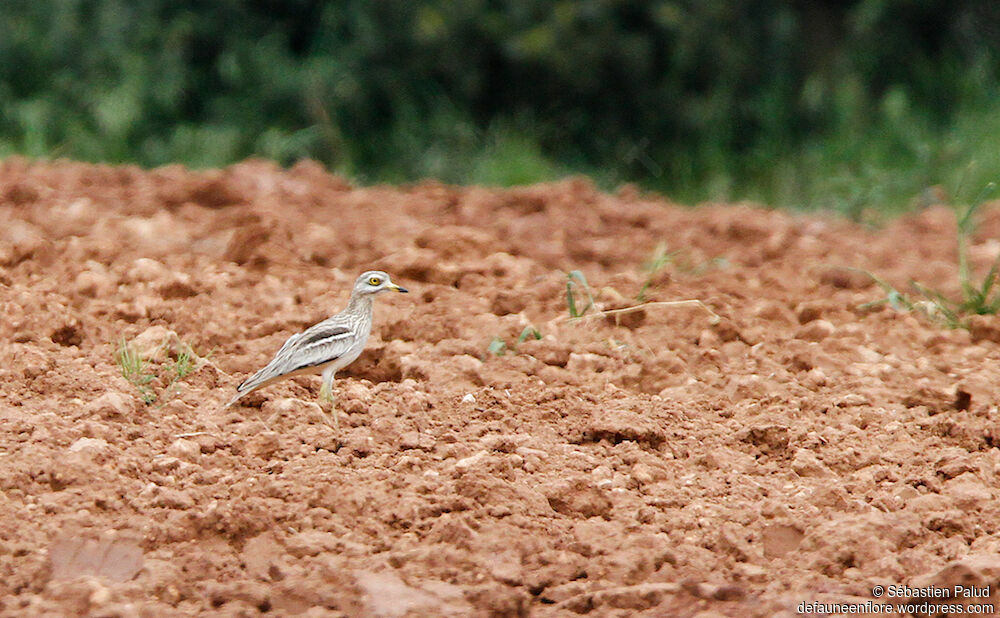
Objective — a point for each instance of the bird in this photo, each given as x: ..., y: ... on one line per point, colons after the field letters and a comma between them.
x: 328, y: 346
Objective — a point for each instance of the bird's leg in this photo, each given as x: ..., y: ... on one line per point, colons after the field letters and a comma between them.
x: 326, y: 394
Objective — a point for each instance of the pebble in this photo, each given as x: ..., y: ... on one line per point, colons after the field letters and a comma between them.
x: 93, y: 446
x: 471, y: 460
x: 644, y: 474
x: 111, y: 405
x: 152, y: 343
x: 416, y: 440
x: 816, y: 330
x: 805, y: 463
x: 186, y: 450
x: 147, y: 269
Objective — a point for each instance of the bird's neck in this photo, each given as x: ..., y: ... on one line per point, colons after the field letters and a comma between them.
x: 360, y: 303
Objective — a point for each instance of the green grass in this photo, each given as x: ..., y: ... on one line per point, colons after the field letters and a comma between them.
x: 529, y: 332
x: 661, y: 259
x: 977, y: 296
x: 144, y: 376
x: 134, y: 369
x: 497, y: 346
x: 575, y: 280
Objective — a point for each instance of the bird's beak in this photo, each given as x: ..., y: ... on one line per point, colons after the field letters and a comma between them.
x: 398, y: 288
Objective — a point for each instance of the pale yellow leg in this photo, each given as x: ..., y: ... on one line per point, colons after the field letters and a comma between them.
x: 326, y: 395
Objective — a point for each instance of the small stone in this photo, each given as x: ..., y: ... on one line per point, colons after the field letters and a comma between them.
x: 751, y: 572
x: 92, y: 446
x: 153, y: 343
x: 100, y: 595
x: 619, y: 425
x: 187, y: 450
x: 505, y: 303
x: 19, y: 241
x: 578, y: 498
x: 163, y: 464
x: 311, y: 543
x: 586, y: 362
x: 985, y: 328
x: 644, y: 474
x: 780, y: 539
x: 548, y: 350
x: 968, y: 492
x: 472, y: 460
x: 808, y: 311
x: 816, y: 330
x: 93, y: 284
x: 846, y: 278
x: 147, y: 269
x: 173, y: 499
x: 816, y: 377
x: 111, y: 405
x: 767, y: 437
x: 851, y: 400
x: 265, y: 444
x: 355, y: 389
x: 805, y: 463
x: 709, y: 340
x: 416, y: 440
x: 469, y: 398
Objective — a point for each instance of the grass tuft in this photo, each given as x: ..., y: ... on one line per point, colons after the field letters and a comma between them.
x: 141, y: 374
x: 133, y: 367
x: 529, y: 331
x: 660, y: 260
x: 978, y: 297
x: 574, y: 279
x: 497, y: 346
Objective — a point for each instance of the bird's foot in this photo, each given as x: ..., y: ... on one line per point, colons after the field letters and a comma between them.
x: 326, y: 395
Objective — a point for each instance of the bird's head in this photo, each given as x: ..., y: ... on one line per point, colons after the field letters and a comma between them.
x: 374, y: 282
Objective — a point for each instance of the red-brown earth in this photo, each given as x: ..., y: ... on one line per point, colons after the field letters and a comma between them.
x: 803, y: 448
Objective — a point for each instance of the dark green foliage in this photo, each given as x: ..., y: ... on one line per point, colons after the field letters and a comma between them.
x: 829, y: 104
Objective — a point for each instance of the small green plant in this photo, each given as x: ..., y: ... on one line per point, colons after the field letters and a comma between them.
x: 183, y: 365
x: 141, y: 374
x: 133, y: 368
x: 576, y: 279
x: 497, y: 346
x: 661, y: 258
x: 529, y: 331
x: 978, y: 297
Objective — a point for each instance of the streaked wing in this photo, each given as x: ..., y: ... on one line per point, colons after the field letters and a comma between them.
x: 320, y: 347
x: 317, y: 345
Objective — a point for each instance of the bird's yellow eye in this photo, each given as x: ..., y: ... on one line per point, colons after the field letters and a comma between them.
x: 374, y: 281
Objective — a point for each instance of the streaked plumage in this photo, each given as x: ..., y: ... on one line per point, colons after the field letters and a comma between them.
x: 329, y: 346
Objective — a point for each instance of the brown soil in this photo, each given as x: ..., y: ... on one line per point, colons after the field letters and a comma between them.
x: 801, y: 449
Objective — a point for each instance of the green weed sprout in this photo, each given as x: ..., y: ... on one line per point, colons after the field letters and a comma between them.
x: 978, y: 297
x: 529, y: 331
x: 575, y: 279
x: 497, y: 346
x: 133, y: 368
x: 661, y: 258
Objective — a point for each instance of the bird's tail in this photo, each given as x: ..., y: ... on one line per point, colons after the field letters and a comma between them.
x: 238, y: 396
x: 258, y: 380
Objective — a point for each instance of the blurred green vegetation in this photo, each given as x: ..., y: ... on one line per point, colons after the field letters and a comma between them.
x: 846, y: 105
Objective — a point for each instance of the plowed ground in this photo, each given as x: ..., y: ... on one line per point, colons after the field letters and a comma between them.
x: 653, y: 463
